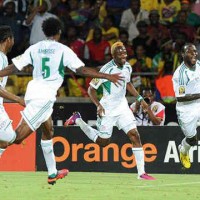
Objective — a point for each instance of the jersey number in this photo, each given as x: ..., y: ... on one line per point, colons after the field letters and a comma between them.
x: 45, y: 68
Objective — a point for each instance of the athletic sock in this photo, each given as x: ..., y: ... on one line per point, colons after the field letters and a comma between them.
x: 88, y: 130
x: 185, y: 147
x: 47, y: 148
x: 139, y: 158
x: 1, y: 151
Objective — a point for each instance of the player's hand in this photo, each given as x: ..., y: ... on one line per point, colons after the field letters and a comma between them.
x: 115, y: 78
x: 21, y: 102
x: 100, y: 110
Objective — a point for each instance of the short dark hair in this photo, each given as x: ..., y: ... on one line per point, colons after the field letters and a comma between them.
x: 185, y: 46
x: 51, y: 26
x: 5, y: 32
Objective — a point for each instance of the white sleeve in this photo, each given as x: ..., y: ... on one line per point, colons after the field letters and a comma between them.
x: 96, y: 82
x: 179, y: 90
x: 71, y: 60
x: 22, y: 60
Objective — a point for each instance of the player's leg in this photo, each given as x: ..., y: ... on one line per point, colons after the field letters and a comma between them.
x: 127, y: 123
x: 188, y: 125
x: 48, y: 152
x: 7, y: 134
x: 98, y: 136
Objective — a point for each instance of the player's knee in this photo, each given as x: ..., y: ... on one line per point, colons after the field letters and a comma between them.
x: 192, y: 141
x: 103, y: 141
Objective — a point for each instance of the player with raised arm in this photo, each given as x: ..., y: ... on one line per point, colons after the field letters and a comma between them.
x: 7, y: 133
x: 113, y: 109
x: 186, y: 82
x: 48, y: 58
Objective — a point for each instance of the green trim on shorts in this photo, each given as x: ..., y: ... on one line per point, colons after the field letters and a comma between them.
x: 41, y: 111
x: 29, y: 124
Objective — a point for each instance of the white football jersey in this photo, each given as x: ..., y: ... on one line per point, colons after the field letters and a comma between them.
x: 48, y: 59
x: 186, y: 81
x: 3, y: 64
x: 113, y: 99
x: 142, y: 118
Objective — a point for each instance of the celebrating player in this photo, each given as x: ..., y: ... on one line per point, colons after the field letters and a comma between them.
x: 48, y: 58
x: 6, y: 130
x: 113, y: 108
x: 186, y: 82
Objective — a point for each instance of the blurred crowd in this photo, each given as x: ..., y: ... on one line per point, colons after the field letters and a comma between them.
x: 153, y: 32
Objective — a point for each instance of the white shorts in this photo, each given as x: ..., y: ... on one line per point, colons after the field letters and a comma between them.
x: 188, y: 115
x: 37, y: 112
x: 6, y: 125
x: 125, y: 121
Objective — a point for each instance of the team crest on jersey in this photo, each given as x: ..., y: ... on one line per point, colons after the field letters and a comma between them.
x: 181, y: 90
x: 95, y: 81
x: 155, y: 108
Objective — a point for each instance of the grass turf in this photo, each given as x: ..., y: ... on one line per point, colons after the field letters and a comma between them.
x: 98, y: 186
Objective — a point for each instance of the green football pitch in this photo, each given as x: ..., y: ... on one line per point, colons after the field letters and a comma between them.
x: 98, y: 186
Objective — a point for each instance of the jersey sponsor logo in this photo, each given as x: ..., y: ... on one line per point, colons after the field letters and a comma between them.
x: 181, y: 90
x: 95, y: 81
x: 155, y: 108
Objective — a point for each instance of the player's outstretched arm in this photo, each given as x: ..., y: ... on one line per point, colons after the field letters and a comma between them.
x: 10, y: 69
x: 86, y: 71
x: 9, y: 96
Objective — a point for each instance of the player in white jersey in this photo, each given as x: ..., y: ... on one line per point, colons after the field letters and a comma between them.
x: 113, y: 109
x: 7, y: 133
x: 154, y: 115
x: 48, y: 58
x: 186, y: 82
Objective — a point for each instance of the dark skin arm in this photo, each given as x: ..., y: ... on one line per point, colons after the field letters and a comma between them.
x: 86, y: 71
x: 7, y: 95
x: 93, y: 96
x: 9, y: 70
x: 134, y: 93
x: 188, y: 97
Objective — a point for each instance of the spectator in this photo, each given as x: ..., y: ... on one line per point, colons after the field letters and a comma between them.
x: 181, y: 26
x: 123, y: 37
x: 168, y: 9
x: 131, y: 17
x: 141, y: 63
x: 154, y: 115
x: 196, y: 7
x: 15, y: 21
x: 147, y: 41
x: 164, y: 84
x: 149, y: 4
x: 36, y: 18
x: 116, y: 7
x: 193, y: 19
x: 166, y: 53
x: 96, y: 50
x: 109, y: 32
x: 74, y: 42
x: 155, y: 29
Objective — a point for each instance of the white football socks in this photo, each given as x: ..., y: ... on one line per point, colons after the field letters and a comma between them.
x: 139, y: 158
x: 47, y: 148
x: 185, y: 147
x: 88, y: 130
x: 1, y: 151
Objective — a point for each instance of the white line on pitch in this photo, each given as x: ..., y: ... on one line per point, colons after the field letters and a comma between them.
x: 164, y: 185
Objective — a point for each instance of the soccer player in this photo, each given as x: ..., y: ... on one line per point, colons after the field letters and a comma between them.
x: 6, y: 130
x: 113, y: 108
x: 186, y: 83
x: 48, y: 58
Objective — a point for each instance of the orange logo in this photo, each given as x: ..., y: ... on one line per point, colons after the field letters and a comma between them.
x: 94, y: 154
